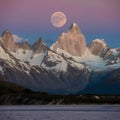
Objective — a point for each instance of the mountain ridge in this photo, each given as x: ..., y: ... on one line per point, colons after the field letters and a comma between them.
x: 72, y: 41
x: 58, y: 69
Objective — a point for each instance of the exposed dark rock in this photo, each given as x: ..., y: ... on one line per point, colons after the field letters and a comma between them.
x: 100, y: 48
x: 39, y: 46
x: 24, y: 45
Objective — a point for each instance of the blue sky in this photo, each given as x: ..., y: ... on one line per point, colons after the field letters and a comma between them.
x: 30, y: 19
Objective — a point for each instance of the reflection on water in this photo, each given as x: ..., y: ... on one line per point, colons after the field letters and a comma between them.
x: 71, y: 112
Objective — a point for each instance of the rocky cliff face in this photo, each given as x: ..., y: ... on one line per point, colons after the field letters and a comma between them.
x: 39, y: 46
x: 98, y: 47
x: 73, y: 41
x: 7, y: 41
x: 24, y: 45
x: 9, y: 44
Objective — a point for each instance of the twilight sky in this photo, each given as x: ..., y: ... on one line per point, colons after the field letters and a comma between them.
x: 30, y: 19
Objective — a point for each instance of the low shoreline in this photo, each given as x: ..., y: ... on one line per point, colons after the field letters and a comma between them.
x: 47, y: 99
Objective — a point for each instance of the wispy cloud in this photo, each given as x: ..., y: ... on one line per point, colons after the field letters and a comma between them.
x: 18, y: 39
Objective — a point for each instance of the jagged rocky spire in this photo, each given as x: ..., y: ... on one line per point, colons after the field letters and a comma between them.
x: 39, y: 46
x: 73, y: 41
x: 98, y: 47
x: 7, y: 41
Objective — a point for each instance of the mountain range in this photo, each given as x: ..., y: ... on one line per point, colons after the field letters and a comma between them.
x: 69, y: 66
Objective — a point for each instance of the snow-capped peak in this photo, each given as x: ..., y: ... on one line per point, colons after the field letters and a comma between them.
x: 63, y: 33
x: 74, y: 24
x: 115, y: 52
x: 74, y: 28
x: 102, y: 41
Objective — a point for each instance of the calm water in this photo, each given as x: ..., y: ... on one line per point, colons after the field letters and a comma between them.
x: 72, y: 112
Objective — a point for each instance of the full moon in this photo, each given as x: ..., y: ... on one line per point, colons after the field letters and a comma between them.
x: 58, y: 19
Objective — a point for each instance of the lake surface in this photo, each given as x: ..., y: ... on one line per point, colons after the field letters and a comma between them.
x: 54, y: 112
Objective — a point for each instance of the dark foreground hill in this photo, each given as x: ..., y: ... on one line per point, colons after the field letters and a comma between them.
x: 12, y: 94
